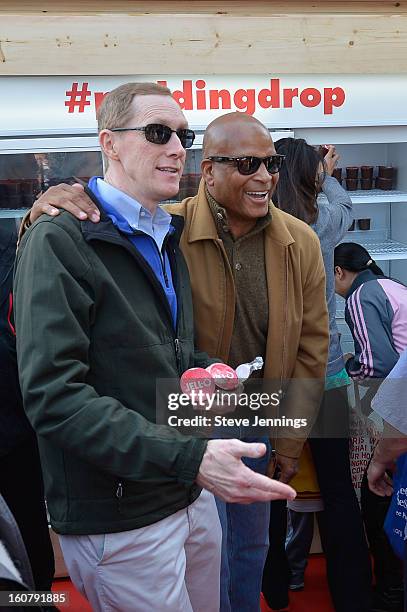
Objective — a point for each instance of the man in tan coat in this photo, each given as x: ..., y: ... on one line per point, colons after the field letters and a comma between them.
x: 258, y: 287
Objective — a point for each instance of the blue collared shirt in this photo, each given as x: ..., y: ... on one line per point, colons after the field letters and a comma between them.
x: 129, y: 216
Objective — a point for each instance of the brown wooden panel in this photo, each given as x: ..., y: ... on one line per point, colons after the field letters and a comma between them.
x: 202, y: 44
x: 233, y: 7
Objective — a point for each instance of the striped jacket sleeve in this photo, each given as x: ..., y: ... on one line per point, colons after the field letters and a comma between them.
x: 369, y: 315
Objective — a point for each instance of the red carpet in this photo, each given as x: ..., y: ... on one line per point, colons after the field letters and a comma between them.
x: 77, y: 603
x: 315, y: 596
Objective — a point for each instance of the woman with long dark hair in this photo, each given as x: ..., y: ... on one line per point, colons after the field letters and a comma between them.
x: 303, y: 176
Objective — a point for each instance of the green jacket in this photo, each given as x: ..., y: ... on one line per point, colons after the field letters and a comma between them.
x: 94, y: 332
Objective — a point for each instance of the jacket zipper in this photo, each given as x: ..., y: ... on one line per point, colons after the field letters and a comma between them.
x: 165, y: 276
x: 162, y: 257
x: 119, y: 495
x: 178, y: 354
x: 172, y: 256
x: 176, y: 340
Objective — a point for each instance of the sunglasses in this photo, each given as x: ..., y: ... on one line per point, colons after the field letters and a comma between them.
x: 160, y: 134
x: 249, y: 164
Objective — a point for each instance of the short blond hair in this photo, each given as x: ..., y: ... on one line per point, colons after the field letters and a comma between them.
x: 116, y: 110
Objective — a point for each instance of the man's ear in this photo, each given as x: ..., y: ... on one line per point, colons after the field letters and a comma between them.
x: 339, y: 272
x: 207, y: 172
x: 107, y: 144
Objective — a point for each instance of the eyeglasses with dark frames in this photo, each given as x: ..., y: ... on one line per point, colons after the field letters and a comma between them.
x: 160, y: 134
x: 249, y: 164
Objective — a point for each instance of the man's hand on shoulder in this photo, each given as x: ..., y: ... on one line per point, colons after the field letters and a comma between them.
x: 71, y: 198
x: 223, y: 472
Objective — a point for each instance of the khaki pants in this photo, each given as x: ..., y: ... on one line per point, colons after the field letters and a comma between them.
x: 170, y: 566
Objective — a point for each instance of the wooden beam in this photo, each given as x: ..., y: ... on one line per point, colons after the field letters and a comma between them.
x: 229, y: 7
x: 202, y: 44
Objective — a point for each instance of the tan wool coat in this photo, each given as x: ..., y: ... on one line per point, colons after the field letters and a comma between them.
x: 297, y: 340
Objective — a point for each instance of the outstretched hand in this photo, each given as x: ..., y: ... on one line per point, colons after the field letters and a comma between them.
x: 223, y: 472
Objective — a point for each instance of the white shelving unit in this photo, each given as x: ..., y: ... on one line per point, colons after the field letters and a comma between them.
x: 378, y: 243
x: 375, y: 196
x: 385, y: 249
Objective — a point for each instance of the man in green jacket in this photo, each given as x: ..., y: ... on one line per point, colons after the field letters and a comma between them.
x: 102, y: 312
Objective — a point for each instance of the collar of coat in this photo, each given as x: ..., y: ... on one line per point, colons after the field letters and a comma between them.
x: 203, y: 225
x: 106, y: 228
